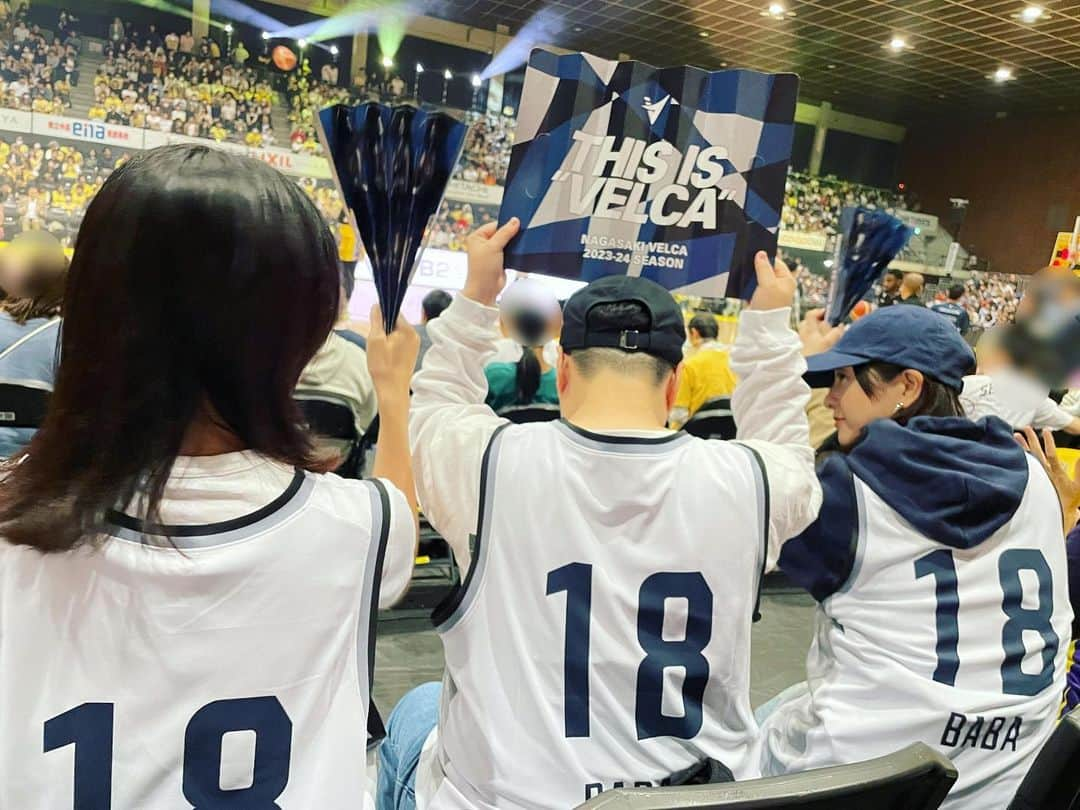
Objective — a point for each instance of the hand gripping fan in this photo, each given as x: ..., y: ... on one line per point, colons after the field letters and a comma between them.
x: 392, y: 165
x: 869, y: 240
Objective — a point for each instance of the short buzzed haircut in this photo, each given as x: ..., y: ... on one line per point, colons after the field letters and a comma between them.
x: 956, y: 292
x: 615, y: 317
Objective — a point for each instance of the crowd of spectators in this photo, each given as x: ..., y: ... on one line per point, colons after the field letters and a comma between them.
x: 37, y: 70
x: 46, y: 186
x: 454, y: 222
x: 170, y: 84
x: 307, y: 95
x: 814, y: 203
x: 486, y: 155
x: 991, y: 299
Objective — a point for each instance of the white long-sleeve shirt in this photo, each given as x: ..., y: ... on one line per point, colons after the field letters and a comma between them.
x: 638, y: 506
x: 450, y: 426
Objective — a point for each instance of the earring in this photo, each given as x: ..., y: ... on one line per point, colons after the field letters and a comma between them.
x: 899, y: 407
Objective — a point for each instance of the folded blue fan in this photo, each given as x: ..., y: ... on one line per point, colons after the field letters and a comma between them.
x: 869, y: 240
x: 392, y: 165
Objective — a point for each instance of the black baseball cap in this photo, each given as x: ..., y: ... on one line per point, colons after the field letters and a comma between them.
x: 912, y: 337
x: 663, y: 338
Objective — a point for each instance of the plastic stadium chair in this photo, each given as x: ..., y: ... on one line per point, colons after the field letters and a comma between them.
x: 331, y: 419
x: 23, y: 403
x: 713, y: 420
x: 915, y: 778
x: 536, y: 412
x: 1054, y: 778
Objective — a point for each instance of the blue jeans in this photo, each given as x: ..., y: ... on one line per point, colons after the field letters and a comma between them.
x: 408, y: 728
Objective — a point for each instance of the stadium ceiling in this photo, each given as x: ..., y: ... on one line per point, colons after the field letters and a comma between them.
x: 844, y: 50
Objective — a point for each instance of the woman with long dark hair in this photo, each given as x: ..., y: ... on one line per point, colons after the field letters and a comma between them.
x: 175, y: 565
x: 529, y: 314
x: 938, y: 561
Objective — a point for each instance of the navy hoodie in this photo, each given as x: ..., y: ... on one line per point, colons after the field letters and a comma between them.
x: 955, y: 481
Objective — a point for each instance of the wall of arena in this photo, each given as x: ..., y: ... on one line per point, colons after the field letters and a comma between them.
x: 1024, y: 172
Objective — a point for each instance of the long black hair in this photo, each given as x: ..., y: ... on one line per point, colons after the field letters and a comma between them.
x: 202, y: 283
x: 528, y: 327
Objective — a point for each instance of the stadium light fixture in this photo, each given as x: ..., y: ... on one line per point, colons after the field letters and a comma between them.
x: 447, y: 74
x: 266, y: 35
x: 1003, y: 74
x: 1031, y: 14
x: 897, y: 44
x: 419, y: 68
x: 476, y: 80
x: 778, y: 11
x: 302, y: 43
x: 334, y: 50
x: 387, y: 62
x: 228, y: 28
x: 703, y: 34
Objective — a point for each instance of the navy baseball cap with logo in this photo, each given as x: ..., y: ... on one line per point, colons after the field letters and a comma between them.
x: 912, y: 337
x: 663, y: 338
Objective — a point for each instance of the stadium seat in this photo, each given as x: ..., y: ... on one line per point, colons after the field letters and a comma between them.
x: 914, y: 778
x: 331, y: 419
x: 1054, y: 778
x: 713, y: 420
x: 23, y: 403
x: 537, y: 412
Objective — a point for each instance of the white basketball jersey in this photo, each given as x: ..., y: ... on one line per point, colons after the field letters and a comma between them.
x: 602, y: 638
x: 962, y: 649
x: 232, y: 670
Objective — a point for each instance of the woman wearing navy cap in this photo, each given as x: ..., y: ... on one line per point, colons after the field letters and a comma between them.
x: 938, y: 563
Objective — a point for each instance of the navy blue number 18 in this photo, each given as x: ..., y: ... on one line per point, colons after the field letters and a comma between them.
x: 90, y: 728
x: 1014, y: 681
x: 660, y: 654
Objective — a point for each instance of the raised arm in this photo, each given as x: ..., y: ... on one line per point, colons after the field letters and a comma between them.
x: 769, y: 404
x: 390, y: 361
x: 450, y: 426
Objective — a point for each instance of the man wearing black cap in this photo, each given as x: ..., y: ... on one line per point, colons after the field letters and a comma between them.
x: 601, y: 637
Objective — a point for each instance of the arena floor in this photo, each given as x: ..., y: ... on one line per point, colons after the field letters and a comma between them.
x: 780, y: 640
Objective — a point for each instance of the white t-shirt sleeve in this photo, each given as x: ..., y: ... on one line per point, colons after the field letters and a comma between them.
x: 399, y: 556
x: 1051, y: 415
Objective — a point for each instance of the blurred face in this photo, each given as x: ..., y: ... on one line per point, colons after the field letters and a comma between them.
x: 890, y: 283
x: 853, y: 409
x: 13, y: 270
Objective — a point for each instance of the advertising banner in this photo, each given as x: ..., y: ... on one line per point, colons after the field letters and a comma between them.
x: 49, y: 127
x: 283, y: 160
x: 675, y: 174
x: 476, y: 193
x: 80, y: 129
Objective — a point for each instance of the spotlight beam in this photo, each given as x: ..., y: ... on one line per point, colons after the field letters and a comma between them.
x: 542, y: 28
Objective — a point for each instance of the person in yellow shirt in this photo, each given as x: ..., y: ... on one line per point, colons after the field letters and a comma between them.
x: 96, y: 113
x: 706, y: 375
